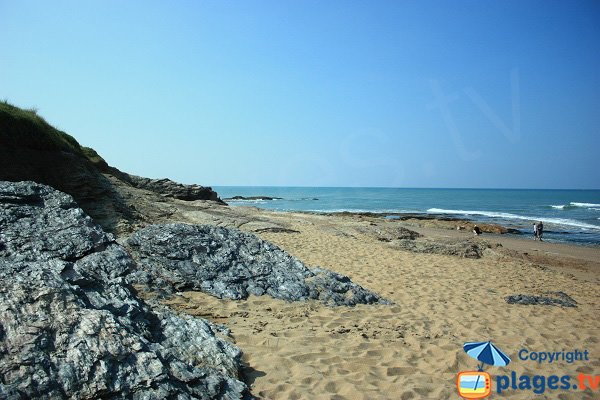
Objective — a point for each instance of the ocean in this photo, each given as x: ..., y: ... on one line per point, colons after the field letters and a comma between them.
x: 571, y: 216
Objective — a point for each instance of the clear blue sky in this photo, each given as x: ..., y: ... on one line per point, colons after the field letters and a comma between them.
x: 318, y: 93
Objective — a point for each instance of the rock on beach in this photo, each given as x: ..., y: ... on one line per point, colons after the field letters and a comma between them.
x: 72, y: 327
x: 228, y: 263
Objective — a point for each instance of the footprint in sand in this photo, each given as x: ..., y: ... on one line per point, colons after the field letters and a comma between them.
x: 399, y: 371
x: 331, y: 387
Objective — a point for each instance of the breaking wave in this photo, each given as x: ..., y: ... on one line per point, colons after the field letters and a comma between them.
x: 585, y: 205
x: 503, y: 215
x: 572, y: 205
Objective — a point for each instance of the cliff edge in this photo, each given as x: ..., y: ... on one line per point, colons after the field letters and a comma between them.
x: 33, y: 150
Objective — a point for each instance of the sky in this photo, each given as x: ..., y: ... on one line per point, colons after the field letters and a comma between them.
x: 476, y: 94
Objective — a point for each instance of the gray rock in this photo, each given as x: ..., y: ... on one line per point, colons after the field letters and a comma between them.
x: 276, y: 229
x: 228, y: 263
x: 550, y: 299
x: 388, y: 233
x: 70, y: 325
x: 169, y: 188
x: 464, y: 249
x: 403, y: 233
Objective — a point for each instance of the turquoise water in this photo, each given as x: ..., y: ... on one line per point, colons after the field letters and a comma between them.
x: 568, y: 215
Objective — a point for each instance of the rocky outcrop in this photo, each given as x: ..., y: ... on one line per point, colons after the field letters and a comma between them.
x: 549, y: 299
x: 440, y: 221
x: 169, y: 188
x: 33, y: 150
x: 463, y: 248
x: 275, y: 229
x: 228, y: 263
x: 406, y: 234
x: 71, y: 326
x: 386, y: 233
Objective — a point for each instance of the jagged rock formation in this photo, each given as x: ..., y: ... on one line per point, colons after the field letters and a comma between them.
x: 168, y: 188
x: 228, y: 263
x: 33, y: 150
x: 70, y: 325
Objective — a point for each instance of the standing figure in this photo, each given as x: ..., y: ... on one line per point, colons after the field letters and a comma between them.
x: 540, y: 230
x: 535, y: 231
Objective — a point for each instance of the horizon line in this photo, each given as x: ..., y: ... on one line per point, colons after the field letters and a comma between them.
x: 396, y: 187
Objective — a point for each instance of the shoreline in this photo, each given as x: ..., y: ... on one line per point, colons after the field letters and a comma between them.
x: 442, y: 221
x: 568, y: 216
x: 568, y: 257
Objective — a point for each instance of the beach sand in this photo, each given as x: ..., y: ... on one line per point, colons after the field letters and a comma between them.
x: 413, y: 348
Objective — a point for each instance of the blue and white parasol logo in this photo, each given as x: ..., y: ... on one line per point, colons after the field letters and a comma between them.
x: 486, y: 353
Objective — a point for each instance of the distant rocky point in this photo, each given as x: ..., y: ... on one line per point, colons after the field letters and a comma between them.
x: 237, y: 198
x: 265, y: 198
x: 169, y: 188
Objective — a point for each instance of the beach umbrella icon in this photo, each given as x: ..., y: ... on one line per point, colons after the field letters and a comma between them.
x: 487, y: 353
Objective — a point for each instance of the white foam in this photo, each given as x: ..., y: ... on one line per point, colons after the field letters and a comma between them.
x: 584, y: 204
x: 560, y: 207
x: 493, y: 214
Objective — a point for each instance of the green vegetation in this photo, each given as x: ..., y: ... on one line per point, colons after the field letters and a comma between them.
x: 25, y: 128
x: 95, y: 158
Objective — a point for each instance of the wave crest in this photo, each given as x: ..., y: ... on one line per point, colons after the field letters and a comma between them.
x: 585, y: 205
x: 493, y: 214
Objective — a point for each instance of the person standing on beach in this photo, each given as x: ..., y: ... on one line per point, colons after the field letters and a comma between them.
x: 540, y: 230
x: 535, y: 231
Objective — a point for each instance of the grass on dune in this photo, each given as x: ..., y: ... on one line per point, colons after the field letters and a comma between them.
x: 24, y: 127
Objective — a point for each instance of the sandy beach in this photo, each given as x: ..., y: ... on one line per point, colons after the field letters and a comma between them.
x: 411, y: 349
x: 315, y: 200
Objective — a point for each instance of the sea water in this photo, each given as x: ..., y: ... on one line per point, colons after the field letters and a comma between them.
x: 568, y: 215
